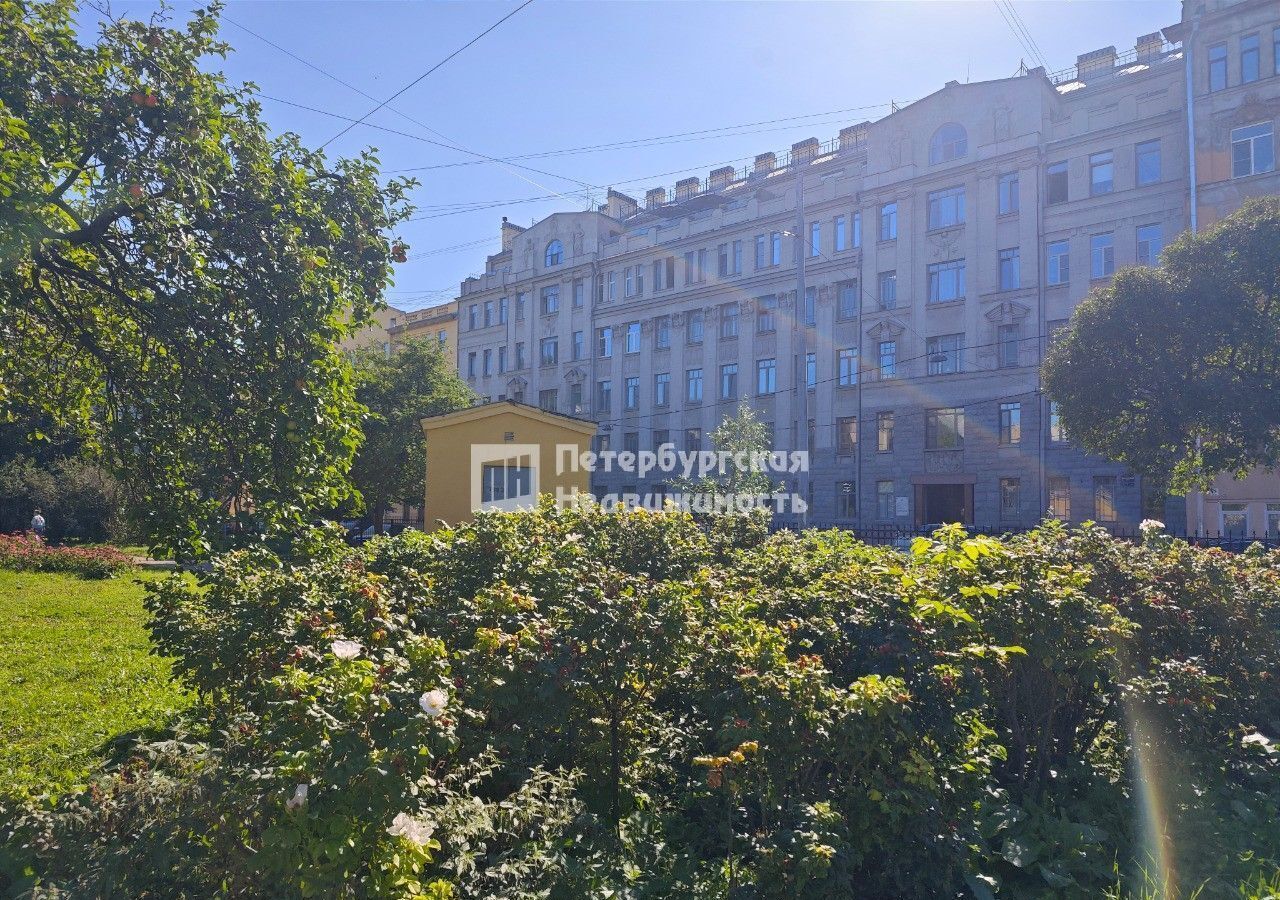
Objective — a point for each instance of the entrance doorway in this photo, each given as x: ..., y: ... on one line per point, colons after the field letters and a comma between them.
x: 938, y: 504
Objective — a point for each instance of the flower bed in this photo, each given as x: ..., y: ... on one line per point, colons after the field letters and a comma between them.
x: 27, y: 553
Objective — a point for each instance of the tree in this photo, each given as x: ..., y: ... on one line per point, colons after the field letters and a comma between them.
x: 1175, y: 370
x: 398, y: 391
x: 743, y: 437
x: 174, y: 280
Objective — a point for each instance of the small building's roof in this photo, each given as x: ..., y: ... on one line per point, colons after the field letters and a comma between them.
x: 487, y: 410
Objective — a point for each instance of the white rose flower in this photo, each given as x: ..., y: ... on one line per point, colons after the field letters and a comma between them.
x: 298, y: 799
x: 433, y: 703
x: 346, y: 649
x: 411, y: 829
x: 1151, y: 525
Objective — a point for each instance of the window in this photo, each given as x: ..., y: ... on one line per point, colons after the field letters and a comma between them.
x: 766, y: 376
x: 549, y: 351
x: 520, y: 359
x: 888, y: 359
x: 842, y: 234
x: 1102, y: 255
x: 633, y: 337
x: 1252, y: 150
x: 599, y: 288
x: 693, y: 385
x: 944, y: 428
x: 661, y: 438
x: 815, y: 239
x: 766, y: 314
x: 604, y: 396
x: 1235, y: 520
x: 693, y: 327
x: 664, y: 273
x: 547, y: 400
x: 846, y: 299
x: 488, y: 313
x: 604, y: 342
x: 555, y: 253
x: 1010, y: 269
x: 1147, y: 156
x: 631, y: 392
x: 488, y: 362
x: 471, y: 364
x: 847, y: 366
x: 550, y: 299
x: 737, y: 258
x: 631, y: 444
x: 692, y: 439
x: 1273, y: 509
x: 662, y: 333
x: 1150, y: 243
x: 579, y: 345
x: 1011, y: 423
x: 1275, y: 49
x: 575, y: 398
x: 1008, y: 194
x: 611, y: 283
x: 503, y: 305
x: 728, y: 321
x: 946, y: 281
x: 949, y: 142
x: 473, y: 317
x: 1060, y: 497
x: 888, y: 290
x: 1010, y: 497
x: 945, y: 354
x: 857, y: 230
x: 884, y: 500
x: 630, y: 275
x: 722, y: 260
x: 442, y: 337
x: 846, y: 500
x: 810, y: 370
x: 1007, y: 339
x: 1101, y: 174
x: 775, y: 248
x: 810, y: 305
x: 884, y: 432
x: 521, y: 299
x: 502, y: 360
x: 762, y: 251
x: 846, y: 434
x: 505, y: 481
x: 946, y: 208
x: 662, y: 389
x: 1104, y: 498
x: 1250, y: 58
x: 1058, y: 264
x: 579, y: 293
x: 889, y: 222
x: 1055, y: 183
x: 1057, y: 432
x: 690, y: 267
x: 729, y: 381
x: 1217, y: 67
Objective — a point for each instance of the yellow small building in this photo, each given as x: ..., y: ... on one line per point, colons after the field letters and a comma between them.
x: 501, y: 456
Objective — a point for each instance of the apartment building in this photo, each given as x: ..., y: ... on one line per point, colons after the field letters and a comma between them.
x: 437, y: 323
x: 883, y: 300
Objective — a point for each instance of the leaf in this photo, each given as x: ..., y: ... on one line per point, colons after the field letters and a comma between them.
x: 1021, y: 851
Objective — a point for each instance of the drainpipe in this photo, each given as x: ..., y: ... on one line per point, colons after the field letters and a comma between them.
x: 802, y: 382
x: 1188, y: 70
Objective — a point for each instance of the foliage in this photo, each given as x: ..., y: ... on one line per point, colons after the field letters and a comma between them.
x: 398, y: 391
x: 741, y: 439
x: 1173, y: 369
x: 77, y: 680
x: 28, y: 553
x: 571, y: 704
x: 174, y: 280
x: 79, y: 498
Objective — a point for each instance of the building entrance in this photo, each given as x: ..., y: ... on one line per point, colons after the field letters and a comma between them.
x: 938, y: 504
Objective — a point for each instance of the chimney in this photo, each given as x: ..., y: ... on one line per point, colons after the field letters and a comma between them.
x: 509, y: 232
x: 854, y: 135
x: 1103, y: 60
x: 655, y: 197
x: 1150, y: 46
x: 803, y: 151
x: 765, y: 163
x: 686, y: 188
x: 618, y: 205
x: 720, y: 178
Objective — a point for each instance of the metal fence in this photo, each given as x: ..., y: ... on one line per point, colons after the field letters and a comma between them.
x: 361, y: 530
x: 902, y: 536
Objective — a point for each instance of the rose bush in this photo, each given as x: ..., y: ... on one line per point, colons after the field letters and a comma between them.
x: 574, y: 704
x: 28, y: 553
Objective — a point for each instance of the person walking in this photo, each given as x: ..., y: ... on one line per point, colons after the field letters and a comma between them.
x: 38, y: 524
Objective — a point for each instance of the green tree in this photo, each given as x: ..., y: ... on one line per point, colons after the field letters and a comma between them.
x: 744, y: 438
x: 398, y: 391
x: 174, y: 280
x: 1175, y: 370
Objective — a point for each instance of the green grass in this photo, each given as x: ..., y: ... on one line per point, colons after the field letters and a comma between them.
x: 76, y: 674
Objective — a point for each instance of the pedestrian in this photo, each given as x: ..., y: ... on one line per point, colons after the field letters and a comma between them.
x: 38, y: 524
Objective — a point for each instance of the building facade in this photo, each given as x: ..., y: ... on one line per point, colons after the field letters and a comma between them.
x: 884, y: 300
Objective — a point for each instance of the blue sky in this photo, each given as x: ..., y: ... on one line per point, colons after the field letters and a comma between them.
x: 563, y: 74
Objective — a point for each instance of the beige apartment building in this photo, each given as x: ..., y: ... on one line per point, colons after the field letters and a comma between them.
x: 884, y: 299
x: 392, y: 326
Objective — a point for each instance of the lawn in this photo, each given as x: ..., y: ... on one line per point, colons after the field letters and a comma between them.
x: 75, y: 674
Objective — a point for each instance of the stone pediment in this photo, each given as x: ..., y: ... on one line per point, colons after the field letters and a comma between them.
x: 575, y: 375
x: 1007, y: 312
x: 887, y: 329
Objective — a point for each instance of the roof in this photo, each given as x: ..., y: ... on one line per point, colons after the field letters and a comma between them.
x: 488, y: 410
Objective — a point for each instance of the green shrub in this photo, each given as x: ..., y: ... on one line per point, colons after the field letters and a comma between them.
x: 574, y: 704
x: 28, y: 553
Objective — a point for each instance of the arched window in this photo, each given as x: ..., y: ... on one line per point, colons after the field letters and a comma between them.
x: 949, y: 142
x: 555, y: 253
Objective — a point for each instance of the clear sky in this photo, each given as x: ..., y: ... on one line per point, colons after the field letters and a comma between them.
x: 560, y: 75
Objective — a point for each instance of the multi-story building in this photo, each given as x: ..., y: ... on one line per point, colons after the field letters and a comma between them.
x: 437, y: 323
x: 884, y: 300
